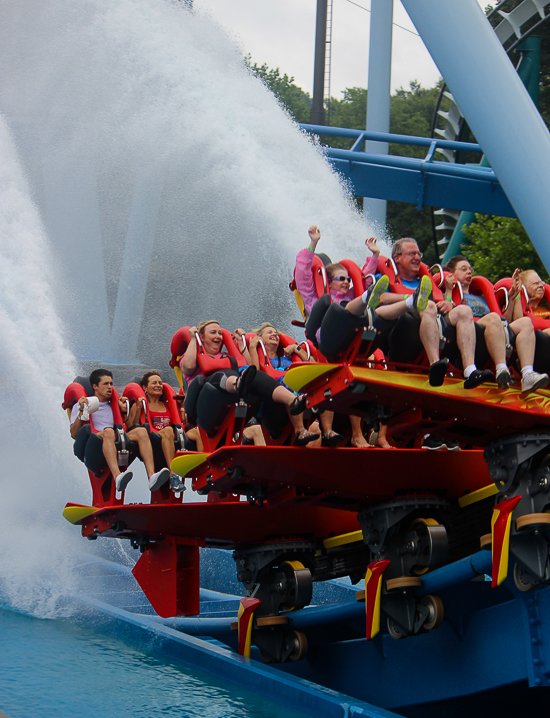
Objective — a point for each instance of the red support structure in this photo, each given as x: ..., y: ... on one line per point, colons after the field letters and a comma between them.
x: 169, y: 574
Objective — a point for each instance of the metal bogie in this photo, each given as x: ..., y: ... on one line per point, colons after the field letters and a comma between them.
x: 520, y: 467
x: 277, y: 645
x: 279, y: 575
x: 395, y: 531
x: 408, y: 615
x: 509, y: 459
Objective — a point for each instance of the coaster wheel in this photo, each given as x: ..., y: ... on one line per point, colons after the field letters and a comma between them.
x: 394, y: 630
x: 299, y: 585
x: 299, y: 647
x: 435, y: 611
x: 433, y: 544
x: 522, y: 579
x: 266, y: 658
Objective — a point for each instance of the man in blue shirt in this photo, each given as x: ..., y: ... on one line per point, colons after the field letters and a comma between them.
x: 407, y: 258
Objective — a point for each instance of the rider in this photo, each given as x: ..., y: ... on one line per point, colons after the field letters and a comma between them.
x: 339, y: 288
x: 102, y: 385
x: 461, y: 271
x: 407, y: 257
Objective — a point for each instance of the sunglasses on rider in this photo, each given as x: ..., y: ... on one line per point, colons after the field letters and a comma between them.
x: 341, y: 278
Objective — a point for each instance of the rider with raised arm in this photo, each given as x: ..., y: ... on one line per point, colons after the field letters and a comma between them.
x: 339, y: 288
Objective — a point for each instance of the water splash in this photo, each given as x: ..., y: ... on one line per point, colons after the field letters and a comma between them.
x: 164, y: 171
x: 37, y: 466
x: 149, y: 181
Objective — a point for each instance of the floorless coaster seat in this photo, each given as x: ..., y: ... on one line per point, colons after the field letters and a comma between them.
x: 406, y: 347
x: 212, y: 409
x: 344, y: 335
x: 88, y: 447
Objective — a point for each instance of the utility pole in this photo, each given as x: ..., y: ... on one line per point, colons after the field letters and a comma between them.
x: 317, y: 114
x: 379, y: 91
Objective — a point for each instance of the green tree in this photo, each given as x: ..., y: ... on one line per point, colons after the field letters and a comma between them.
x: 293, y: 98
x: 498, y: 245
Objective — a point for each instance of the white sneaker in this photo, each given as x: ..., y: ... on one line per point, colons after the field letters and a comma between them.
x: 503, y: 378
x: 159, y: 479
x: 123, y: 479
x: 533, y: 381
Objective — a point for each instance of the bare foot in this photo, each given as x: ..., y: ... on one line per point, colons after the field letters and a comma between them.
x: 359, y: 442
x: 383, y: 443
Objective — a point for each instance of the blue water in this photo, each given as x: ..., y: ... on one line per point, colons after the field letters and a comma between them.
x: 57, y: 668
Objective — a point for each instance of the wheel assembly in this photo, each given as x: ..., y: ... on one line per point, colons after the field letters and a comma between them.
x: 298, y: 585
x: 435, y: 612
x: 430, y: 544
x: 298, y: 642
x: 522, y: 579
x: 394, y: 630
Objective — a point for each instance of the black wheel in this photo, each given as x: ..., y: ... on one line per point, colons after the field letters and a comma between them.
x: 435, y: 611
x: 299, y: 585
x: 522, y: 579
x: 394, y: 630
x: 266, y: 658
x: 299, y: 649
x: 432, y: 545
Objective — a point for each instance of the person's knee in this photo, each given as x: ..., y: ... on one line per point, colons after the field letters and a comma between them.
x: 167, y: 432
x: 461, y: 314
x: 492, y: 321
x: 430, y: 312
x: 139, y: 433
x: 523, y: 326
x: 107, y: 434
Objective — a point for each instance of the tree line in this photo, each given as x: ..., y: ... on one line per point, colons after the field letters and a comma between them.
x: 497, y: 244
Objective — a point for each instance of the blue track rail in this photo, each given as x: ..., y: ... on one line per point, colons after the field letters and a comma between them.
x: 498, y: 637
x: 423, y: 182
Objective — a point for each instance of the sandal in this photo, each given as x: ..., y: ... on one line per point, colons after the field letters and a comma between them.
x: 303, y: 437
x: 245, y: 380
x: 332, y: 438
x: 298, y: 406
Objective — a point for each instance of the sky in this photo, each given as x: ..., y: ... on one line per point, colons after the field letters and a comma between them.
x: 281, y: 33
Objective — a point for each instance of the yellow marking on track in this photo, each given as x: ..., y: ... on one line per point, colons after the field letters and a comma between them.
x: 182, y: 465
x: 478, y: 495
x: 343, y: 539
x: 299, y: 376
x: 73, y: 514
x: 488, y: 393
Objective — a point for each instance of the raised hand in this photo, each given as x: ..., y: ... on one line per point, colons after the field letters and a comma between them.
x: 373, y: 246
x: 314, y: 234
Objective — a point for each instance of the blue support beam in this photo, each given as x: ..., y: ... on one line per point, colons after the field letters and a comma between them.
x: 423, y: 182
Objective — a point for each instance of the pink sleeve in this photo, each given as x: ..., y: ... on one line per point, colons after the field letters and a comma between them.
x: 369, y: 268
x: 304, y: 278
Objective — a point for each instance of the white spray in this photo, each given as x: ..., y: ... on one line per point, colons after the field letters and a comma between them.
x: 159, y: 184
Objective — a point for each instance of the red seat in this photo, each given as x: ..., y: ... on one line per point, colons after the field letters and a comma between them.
x: 103, y: 485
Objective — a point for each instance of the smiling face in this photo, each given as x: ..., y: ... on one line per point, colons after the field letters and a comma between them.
x: 338, y: 279
x: 212, y: 338
x: 408, y: 260
x: 535, y: 287
x: 270, y: 337
x: 463, y: 273
x: 154, y: 386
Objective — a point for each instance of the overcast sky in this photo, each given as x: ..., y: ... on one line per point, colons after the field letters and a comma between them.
x: 281, y: 33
